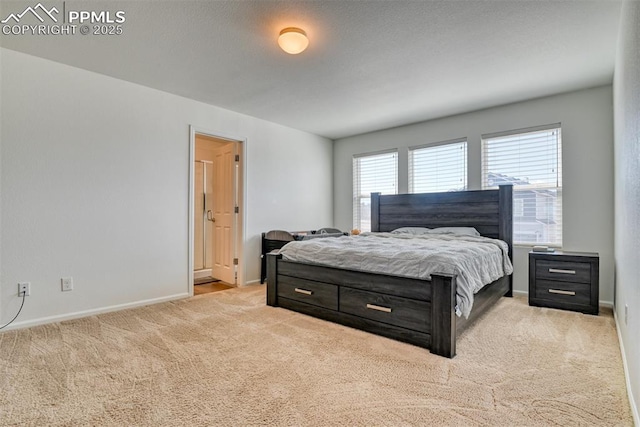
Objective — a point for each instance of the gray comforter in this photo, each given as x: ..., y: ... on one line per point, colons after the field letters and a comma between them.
x: 476, y: 261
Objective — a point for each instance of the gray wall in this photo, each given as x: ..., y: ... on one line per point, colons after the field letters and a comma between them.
x: 587, y: 144
x: 626, y: 85
x: 94, y: 179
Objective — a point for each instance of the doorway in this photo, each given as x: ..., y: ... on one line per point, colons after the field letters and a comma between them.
x: 214, y: 211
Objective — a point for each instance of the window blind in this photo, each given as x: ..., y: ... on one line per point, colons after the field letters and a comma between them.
x: 372, y: 173
x: 438, y: 167
x: 530, y: 160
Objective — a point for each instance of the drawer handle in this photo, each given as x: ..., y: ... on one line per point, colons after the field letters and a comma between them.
x: 303, y: 291
x: 557, y: 270
x: 558, y: 291
x: 379, y: 308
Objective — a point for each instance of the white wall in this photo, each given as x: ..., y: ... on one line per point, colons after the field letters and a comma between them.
x: 94, y: 179
x: 1, y: 127
x: 587, y: 144
x: 626, y: 85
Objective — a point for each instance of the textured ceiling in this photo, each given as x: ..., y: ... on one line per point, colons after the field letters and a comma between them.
x: 370, y: 64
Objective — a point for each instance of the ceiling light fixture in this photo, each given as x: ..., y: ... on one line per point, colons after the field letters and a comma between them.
x: 293, y: 40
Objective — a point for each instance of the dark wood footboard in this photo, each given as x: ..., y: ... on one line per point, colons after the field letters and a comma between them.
x: 443, y: 315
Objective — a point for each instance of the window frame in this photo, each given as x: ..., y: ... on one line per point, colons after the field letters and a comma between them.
x: 411, y: 167
x: 357, y: 195
x: 558, y: 242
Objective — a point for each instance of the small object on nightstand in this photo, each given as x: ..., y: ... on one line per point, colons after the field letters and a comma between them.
x: 543, y: 249
x: 564, y: 280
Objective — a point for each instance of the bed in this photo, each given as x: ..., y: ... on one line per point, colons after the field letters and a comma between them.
x: 417, y: 311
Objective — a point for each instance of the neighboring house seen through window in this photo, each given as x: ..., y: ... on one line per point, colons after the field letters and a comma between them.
x: 438, y: 167
x: 374, y: 173
x: 530, y: 160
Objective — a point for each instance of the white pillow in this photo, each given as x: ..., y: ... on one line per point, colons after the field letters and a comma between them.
x: 411, y: 230
x: 460, y: 231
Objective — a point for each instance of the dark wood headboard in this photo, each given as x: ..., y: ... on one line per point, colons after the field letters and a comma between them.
x: 489, y: 211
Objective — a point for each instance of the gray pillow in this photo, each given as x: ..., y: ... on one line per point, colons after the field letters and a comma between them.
x: 460, y: 231
x: 411, y: 230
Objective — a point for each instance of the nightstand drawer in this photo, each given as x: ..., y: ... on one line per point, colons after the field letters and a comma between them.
x: 563, y: 271
x: 320, y: 294
x: 573, y: 293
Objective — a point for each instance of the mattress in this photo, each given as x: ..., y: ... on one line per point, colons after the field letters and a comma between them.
x: 476, y: 261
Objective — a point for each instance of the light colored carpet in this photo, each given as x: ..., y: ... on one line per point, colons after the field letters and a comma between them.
x: 226, y: 358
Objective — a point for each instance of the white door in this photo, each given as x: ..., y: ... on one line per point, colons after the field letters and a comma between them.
x: 208, y: 215
x: 199, y: 217
x: 223, y: 203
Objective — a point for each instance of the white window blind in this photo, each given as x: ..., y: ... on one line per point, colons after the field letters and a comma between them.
x: 371, y: 174
x: 530, y: 160
x: 438, y: 167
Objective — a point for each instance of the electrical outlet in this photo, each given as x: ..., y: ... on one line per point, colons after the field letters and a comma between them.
x: 626, y: 313
x: 24, y: 288
x: 67, y: 284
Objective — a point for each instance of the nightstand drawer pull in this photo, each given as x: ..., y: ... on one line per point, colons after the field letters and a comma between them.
x: 379, y: 308
x: 303, y: 291
x: 558, y: 291
x: 557, y: 270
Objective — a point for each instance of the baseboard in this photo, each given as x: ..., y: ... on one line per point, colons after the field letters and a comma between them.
x: 606, y: 304
x: 251, y: 282
x: 632, y: 402
x: 92, y: 312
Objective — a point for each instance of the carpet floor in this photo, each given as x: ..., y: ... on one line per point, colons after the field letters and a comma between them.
x: 225, y: 358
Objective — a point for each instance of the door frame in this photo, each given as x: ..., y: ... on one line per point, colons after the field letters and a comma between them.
x: 241, y: 222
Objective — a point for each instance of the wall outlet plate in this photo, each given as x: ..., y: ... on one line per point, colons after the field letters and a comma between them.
x: 626, y: 313
x: 24, y: 288
x: 67, y: 284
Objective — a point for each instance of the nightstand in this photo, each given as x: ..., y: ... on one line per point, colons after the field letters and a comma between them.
x: 565, y: 280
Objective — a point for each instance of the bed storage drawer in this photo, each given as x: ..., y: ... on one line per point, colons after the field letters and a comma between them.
x: 308, y: 291
x: 398, y: 311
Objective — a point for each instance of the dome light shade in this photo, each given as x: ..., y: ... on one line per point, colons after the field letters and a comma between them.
x: 293, y: 40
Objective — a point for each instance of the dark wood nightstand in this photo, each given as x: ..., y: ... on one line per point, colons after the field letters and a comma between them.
x: 565, y: 280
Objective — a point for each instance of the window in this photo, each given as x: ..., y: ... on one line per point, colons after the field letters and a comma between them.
x: 530, y: 160
x: 372, y: 174
x: 518, y: 207
x: 438, y: 167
